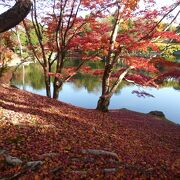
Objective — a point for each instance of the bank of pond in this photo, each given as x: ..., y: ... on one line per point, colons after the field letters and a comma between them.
x: 84, y: 91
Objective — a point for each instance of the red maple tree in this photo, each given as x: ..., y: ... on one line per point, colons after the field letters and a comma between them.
x: 119, y: 32
x: 129, y: 45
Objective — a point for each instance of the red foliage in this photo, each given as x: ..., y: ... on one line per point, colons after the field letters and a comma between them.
x: 98, y: 72
x: 165, y: 64
x: 167, y: 35
x: 92, y: 35
x: 58, y: 75
x: 141, y: 63
x: 141, y: 79
x: 171, y: 74
x: 35, y: 128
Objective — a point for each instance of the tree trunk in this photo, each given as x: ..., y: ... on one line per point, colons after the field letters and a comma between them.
x: 103, y: 103
x: 48, y: 89
x: 56, y: 92
x: 59, y: 67
x: 15, y: 15
x: 57, y: 85
x: 19, y: 42
x: 47, y: 83
x: 104, y: 100
x: 106, y: 79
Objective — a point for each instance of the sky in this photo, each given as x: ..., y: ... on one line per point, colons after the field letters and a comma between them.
x: 158, y: 2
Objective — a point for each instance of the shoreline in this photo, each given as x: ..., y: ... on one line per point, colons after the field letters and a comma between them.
x: 154, y: 113
x: 8, y: 77
x: 16, y: 60
x: 150, y: 114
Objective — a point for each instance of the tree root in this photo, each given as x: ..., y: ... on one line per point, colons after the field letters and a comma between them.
x: 100, y: 153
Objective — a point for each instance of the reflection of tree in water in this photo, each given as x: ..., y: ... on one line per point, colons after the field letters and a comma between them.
x: 177, y: 88
x: 93, y: 65
x: 36, y: 74
x: 90, y: 82
x: 33, y: 77
x: 171, y: 83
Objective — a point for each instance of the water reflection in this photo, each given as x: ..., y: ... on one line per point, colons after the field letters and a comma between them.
x: 30, y: 75
x: 84, y: 91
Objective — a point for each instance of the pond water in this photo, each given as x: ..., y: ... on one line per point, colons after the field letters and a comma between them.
x: 85, y: 90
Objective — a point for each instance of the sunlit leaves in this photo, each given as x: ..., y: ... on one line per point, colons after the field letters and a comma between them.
x: 141, y: 63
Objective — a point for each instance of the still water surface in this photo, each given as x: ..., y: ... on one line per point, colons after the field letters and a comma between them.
x: 85, y: 90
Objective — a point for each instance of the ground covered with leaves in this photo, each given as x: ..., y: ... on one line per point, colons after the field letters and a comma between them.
x: 54, y: 140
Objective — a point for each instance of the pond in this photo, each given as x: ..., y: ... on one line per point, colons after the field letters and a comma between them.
x: 85, y: 89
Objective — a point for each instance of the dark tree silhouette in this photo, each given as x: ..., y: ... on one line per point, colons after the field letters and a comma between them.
x: 14, y: 15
